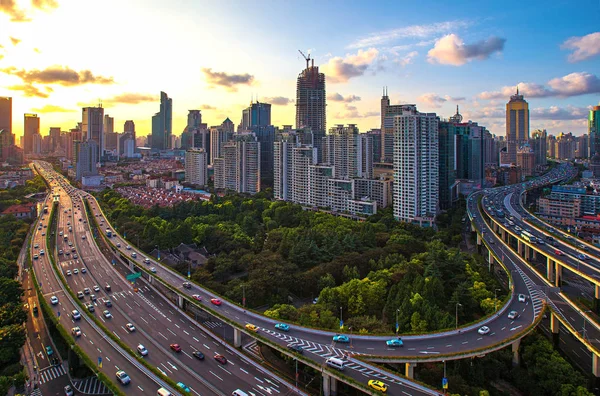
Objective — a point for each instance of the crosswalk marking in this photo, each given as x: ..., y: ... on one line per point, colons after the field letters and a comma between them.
x: 50, y: 373
x: 91, y: 386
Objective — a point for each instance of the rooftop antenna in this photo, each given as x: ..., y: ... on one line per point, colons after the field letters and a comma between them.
x: 307, y: 58
x: 99, y: 102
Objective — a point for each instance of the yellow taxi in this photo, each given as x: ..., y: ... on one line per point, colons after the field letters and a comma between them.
x: 378, y: 385
x: 252, y: 327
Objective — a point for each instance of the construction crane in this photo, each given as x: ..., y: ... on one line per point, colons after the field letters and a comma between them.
x: 307, y: 58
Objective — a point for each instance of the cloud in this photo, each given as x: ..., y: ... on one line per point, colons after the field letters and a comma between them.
x: 435, y: 100
x: 14, y: 40
x: 585, y: 47
x: 29, y: 90
x: 485, y: 112
x: 45, y: 5
x: 336, y: 97
x: 413, y: 31
x: 278, y: 100
x: 207, y: 107
x: 58, y: 75
x: 53, y: 109
x: 559, y: 113
x: 340, y: 70
x: 130, y: 98
x: 407, y: 59
x: 229, y: 81
x: 451, y: 50
x: 352, y: 112
x: 574, y: 84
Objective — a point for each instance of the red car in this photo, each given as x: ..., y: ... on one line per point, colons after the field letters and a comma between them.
x: 558, y: 252
x: 197, y: 297
x: 175, y: 347
x: 215, y: 301
x: 221, y: 359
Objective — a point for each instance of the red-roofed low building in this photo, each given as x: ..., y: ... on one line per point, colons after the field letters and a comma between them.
x: 23, y: 211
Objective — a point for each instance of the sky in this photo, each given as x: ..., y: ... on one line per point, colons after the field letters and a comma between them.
x: 57, y: 56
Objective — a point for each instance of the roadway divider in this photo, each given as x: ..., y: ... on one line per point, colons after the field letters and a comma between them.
x: 151, y: 371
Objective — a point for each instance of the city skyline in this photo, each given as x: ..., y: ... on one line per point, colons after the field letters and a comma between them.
x: 436, y: 61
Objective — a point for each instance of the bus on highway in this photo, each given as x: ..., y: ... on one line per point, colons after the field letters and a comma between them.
x: 528, y: 237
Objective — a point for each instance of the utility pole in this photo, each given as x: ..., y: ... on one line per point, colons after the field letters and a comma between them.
x: 457, y: 305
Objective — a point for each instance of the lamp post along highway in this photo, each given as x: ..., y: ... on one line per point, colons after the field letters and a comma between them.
x: 457, y: 305
x: 397, y: 310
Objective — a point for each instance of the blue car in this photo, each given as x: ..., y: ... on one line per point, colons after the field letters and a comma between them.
x: 341, y: 338
x: 183, y: 387
x: 282, y: 327
x: 394, y: 342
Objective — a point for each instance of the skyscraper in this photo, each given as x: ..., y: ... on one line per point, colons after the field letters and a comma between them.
x: 238, y: 169
x: 388, y: 112
x: 87, y: 159
x: 109, y: 124
x: 538, y: 144
x: 311, y: 103
x: 517, y: 125
x: 350, y: 152
x: 129, y: 127
x: 162, y: 124
x: 593, y: 130
x: 30, y: 129
x: 92, y: 128
x: 416, y: 166
x: 219, y: 135
x: 54, y: 138
x: 6, y: 114
x: 257, y: 114
x: 447, y: 163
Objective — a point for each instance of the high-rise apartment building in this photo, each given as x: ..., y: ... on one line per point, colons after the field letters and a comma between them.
x: 74, y: 135
x: 238, y: 169
x: 350, y: 152
x: 416, y: 166
x: 376, y: 136
x: 54, y: 135
x: 129, y: 127
x: 447, y: 164
x: 490, y: 149
x: 291, y: 168
x: 30, y: 129
x: 539, y: 145
x: 311, y: 103
x: 219, y: 135
x: 109, y: 124
x: 526, y: 160
x: 517, y: 125
x: 196, y: 167
x: 162, y: 124
x: 593, y: 130
x: 257, y: 114
x: 6, y: 114
x: 92, y: 127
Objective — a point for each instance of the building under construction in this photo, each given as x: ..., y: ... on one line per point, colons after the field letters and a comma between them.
x: 311, y: 102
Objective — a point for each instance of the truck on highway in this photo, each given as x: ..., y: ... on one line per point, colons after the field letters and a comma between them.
x: 108, y: 232
x: 528, y: 237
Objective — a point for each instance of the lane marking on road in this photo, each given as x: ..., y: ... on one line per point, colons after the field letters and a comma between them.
x: 210, y: 371
x: 161, y: 334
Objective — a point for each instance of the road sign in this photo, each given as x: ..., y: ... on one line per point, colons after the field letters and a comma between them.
x: 445, y: 383
x: 134, y: 276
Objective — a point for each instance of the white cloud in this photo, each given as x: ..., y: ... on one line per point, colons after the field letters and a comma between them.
x: 414, y: 31
x: 585, y: 47
x: 451, y: 50
x: 432, y: 99
x: 336, y: 97
x: 340, y: 70
x: 559, y: 113
x: 407, y: 59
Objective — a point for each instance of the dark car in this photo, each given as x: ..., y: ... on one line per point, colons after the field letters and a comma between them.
x: 296, y: 348
x: 198, y: 355
x: 108, y: 303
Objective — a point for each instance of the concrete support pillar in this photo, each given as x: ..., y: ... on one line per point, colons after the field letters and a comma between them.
x: 558, y: 272
x: 333, y: 386
x: 597, y: 299
x: 503, y: 234
x: 237, y: 337
x: 554, y: 327
x: 520, y: 248
x: 549, y: 269
x: 534, y: 254
x: 478, y: 239
x: 180, y: 301
x: 516, y: 360
x: 596, y: 365
x: 410, y: 370
x: 326, y: 385
x: 527, y: 252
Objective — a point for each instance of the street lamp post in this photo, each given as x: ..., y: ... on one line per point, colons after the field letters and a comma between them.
x: 244, y: 297
x: 397, y: 310
x: 341, y: 317
x: 457, y: 305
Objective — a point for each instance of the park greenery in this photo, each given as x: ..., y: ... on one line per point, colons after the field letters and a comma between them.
x: 280, y: 256
x: 13, y: 234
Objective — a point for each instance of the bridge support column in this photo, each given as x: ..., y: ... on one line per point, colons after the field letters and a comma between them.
x: 596, y: 365
x: 326, y: 385
x: 478, y: 240
x: 554, y: 327
x: 410, y: 370
x: 534, y: 254
x: 520, y: 248
x: 558, y: 272
x: 516, y: 360
x: 333, y: 385
x: 597, y: 299
x: 550, y: 269
x: 527, y: 252
x: 180, y: 301
x: 237, y: 337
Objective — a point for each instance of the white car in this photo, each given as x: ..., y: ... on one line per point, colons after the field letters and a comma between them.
x: 483, y: 330
x: 76, y: 315
x: 512, y: 315
x: 68, y: 272
x: 133, y: 254
x: 522, y: 298
x: 142, y: 350
x: 153, y: 270
x: 130, y: 328
x: 107, y: 314
x: 96, y: 288
x: 76, y: 331
x: 54, y: 300
x: 128, y: 247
